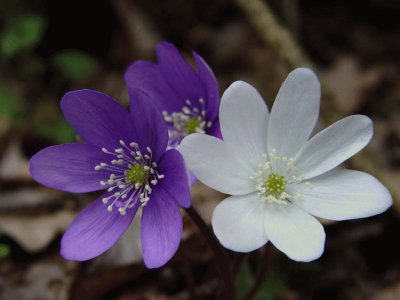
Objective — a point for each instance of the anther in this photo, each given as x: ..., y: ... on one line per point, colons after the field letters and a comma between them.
x: 132, y: 173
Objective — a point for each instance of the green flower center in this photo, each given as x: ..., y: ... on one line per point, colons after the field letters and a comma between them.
x: 191, y: 125
x: 275, y: 183
x: 137, y: 174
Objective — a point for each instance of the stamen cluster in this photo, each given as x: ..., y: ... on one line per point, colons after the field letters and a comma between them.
x: 132, y: 175
x: 275, y: 183
x: 271, y: 184
x: 190, y: 119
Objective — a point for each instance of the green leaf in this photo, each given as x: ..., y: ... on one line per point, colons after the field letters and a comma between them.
x: 59, y: 131
x: 4, y: 251
x: 244, y: 280
x: 22, y: 33
x: 274, y: 286
x: 10, y: 104
x: 74, y: 65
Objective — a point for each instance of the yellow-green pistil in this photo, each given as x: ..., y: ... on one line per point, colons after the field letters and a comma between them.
x: 137, y: 174
x: 275, y: 183
x: 191, y: 125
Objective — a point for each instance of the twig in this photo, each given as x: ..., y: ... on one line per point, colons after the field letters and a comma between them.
x: 203, y: 291
x: 219, y: 254
x: 187, y: 270
x: 141, y: 36
x: 262, y: 272
x: 237, y: 263
x: 277, y: 37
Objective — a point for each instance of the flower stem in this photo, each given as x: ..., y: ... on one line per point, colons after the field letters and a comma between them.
x: 219, y: 254
x: 237, y: 263
x: 262, y: 273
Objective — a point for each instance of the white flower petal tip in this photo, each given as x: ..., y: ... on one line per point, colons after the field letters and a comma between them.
x: 238, y: 223
x: 294, y: 232
x: 294, y: 113
x: 344, y: 195
x: 243, y: 119
x: 333, y: 145
x: 304, y: 73
x: 243, y: 89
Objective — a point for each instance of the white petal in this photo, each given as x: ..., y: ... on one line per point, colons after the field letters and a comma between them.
x: 333, y: 145
x: 214, y: 165
x: 294, y: 232
x: 238, y: 223
x: 343, y: 195
x: 294, y: 113
x: 244, y: 118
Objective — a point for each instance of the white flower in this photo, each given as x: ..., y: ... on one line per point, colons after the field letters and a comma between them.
x: 279, y: 178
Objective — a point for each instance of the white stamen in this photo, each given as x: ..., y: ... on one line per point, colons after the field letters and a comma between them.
x: 177, y: 120
x: 283, y: 167
x: 128, y: 193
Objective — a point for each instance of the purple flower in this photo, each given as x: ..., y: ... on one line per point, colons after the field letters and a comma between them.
x: 188, y: 99
x: 125, y: 153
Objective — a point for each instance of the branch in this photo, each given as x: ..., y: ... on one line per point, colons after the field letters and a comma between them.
x: 265, y: 263
x: 219, y: 254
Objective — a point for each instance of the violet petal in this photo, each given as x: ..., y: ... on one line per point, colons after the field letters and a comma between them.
x: 96, y: 117
x: 215, y: 130
x: 69, y: 167
x: 210, y: 85
x: 161, y: 229
x: 178, y: 73
x: 148, y: 126
x: 94, y: 231
x: 147, y: 77
x: 175, y: 182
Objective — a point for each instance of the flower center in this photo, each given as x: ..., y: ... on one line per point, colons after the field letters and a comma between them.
x: 137, y: 174
x: 274, y: 176
x: 275, y: 183
x: 132, y: 175
x: 191, y: 119
x: 192, y: 125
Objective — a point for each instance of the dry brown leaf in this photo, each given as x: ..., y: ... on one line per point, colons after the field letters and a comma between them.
x: 348, y: 81
x: 13, y: 164
x: 34, y: 233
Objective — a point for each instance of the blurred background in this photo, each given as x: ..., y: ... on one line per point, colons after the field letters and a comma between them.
x: 48, y: 48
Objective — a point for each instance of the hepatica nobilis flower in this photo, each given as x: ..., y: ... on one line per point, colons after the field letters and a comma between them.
x: 188, y: 99
x: 125, y: 154
x: 279, y: 178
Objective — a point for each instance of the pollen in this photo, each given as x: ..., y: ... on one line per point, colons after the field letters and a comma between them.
x: 192, y: 118
x: 273, y: 177
x: 192, y: 125
x: 132, y: 174
x: 275, y: 183
x: 138, y: 174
